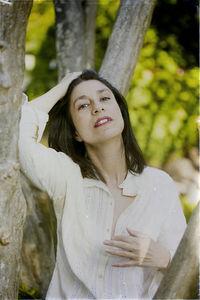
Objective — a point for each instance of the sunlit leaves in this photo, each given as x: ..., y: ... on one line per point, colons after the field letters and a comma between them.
x: 40, y: 43
x: 168, y: 93
x: 42, y: 16
x: 107, y: 10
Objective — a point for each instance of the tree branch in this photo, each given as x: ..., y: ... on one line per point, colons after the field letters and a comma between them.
x: 70, y: 35
x: 75, y: 34
x: 181, y: 278
x: 90, y: 11
x: 125, y: 43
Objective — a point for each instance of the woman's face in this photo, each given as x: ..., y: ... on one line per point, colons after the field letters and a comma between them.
x: 95, y: 113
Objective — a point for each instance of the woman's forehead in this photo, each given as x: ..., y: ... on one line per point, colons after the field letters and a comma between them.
x: 89, y: 87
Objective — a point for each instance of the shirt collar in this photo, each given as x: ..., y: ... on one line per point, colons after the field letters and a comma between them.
x: 89, y: 182
x: 131, y: 186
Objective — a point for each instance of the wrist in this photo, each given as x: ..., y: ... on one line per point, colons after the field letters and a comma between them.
x: 166, y: 262
x: 59, y: 90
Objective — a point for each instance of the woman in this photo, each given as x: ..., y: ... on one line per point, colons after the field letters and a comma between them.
x: 119, y: 222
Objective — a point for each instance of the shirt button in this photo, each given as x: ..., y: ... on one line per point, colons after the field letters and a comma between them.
x: 108, y: 229
x: 100, y: 276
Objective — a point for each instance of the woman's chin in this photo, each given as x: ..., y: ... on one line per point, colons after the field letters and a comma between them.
x: 106, y: 138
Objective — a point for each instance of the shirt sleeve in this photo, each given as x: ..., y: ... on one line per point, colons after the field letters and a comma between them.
x: 46, y: 168
x: 172, y: 228
x: 174, y: 223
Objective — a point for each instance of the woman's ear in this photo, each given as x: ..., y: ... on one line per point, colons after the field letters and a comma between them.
x: 77, y: 137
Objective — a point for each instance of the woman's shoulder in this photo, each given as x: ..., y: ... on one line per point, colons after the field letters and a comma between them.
x: 159, y: 181
x: 68, y: 162
x: 156, y: 175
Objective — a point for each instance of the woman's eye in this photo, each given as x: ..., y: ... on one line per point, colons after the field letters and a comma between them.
x: 83, y: 106
x: 105, y: 98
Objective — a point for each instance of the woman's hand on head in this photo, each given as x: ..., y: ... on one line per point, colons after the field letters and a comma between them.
x: 67, y: 79
x: 138, y: 249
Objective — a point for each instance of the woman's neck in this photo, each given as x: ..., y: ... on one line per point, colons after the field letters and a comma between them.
x: 109, y: 159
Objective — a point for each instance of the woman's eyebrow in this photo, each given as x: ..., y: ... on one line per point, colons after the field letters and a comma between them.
x: 80, y: 97
x: 103, y: 90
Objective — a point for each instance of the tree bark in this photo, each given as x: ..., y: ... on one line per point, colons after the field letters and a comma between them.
x: 39, y: 240
x: 75, y: 31
x: 181, y: 278
x: 90, y: 11
x: 14, y: 19
x: 125, y: 43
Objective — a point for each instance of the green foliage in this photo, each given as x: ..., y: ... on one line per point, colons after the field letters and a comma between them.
x: 28, y: 293
x: 188, y: 208
x: 163, y: 103
x: 107, y: 10
x: 41, y: 44
x: 44, y: 75
x: 177, y: 24
x: 41, y: 18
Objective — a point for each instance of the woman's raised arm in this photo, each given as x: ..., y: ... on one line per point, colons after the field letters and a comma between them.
x: 46, y: 168
x: 49, y: 99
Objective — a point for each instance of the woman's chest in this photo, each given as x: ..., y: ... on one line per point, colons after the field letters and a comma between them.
x: 109, y: 213
x: 106, y: 210
x: 122, y: 203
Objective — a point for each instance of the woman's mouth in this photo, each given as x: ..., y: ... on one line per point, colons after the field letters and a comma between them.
x: 102, y: 121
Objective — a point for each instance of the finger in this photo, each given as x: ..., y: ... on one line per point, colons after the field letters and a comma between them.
x: 123, y: 238
x: 126, y: 254
x: 124, y: 264
x: 119, y: 244
x: 69, y: 75
x: 77, y: 73
x: 131, y: 264
x: 139, y: 262
x: 131, y: 232
x: 135, y: 233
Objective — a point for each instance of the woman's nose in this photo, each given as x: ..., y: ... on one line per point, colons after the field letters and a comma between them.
x: 97, y: 108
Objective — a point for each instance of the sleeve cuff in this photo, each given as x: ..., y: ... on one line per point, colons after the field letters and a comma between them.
x: 33, y: 121
x: 39, y: 116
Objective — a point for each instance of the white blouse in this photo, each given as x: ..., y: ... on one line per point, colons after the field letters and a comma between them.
x: 84, y: 210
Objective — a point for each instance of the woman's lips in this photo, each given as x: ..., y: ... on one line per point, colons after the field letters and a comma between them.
x: 102, y: 121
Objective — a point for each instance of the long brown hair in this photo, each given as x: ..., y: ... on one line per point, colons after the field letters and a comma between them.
x: 62, y: 131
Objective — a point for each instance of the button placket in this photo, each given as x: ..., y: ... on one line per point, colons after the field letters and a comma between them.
x: 110, y: 221
x: 101, y: 272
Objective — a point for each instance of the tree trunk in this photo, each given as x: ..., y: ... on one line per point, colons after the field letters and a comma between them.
x: 14, y: 19
x: 125, y: 43
x: 39, y: 240
x: 90, y: 11
x: 181, y: 278
x: 75, y: 31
